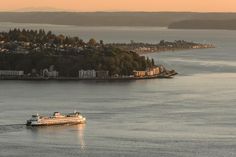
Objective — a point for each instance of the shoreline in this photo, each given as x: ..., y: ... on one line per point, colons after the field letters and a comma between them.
x: 173, y: 50
x: 26, y: 78
x: 163, y: 46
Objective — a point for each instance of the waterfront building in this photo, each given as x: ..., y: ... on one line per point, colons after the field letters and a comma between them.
x: 149, y: 72
x: 87, y: 74
x: 51, y: 72
x: 153, y: 71
x: 102, y: 74
x: 47, y: 73
x: 139, y: 73
x: 11, y: 73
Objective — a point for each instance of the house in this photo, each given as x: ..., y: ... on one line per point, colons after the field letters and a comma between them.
x: 50, y: 73
x: 153, y: 71
x: 149, y: 72
x: 87, y: 74
x: 102, y: 74
x: 156, y: 70
x: 11, y: 73
x: 139, y: 73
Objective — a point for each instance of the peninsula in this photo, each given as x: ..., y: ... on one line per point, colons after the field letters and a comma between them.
x: 163, y: 46
x: 40, y: 55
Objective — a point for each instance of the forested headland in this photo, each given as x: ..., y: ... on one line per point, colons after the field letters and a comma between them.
x: 36, y: 49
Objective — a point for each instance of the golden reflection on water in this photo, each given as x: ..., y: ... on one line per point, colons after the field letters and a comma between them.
x: 81, y: 128
x: 57, y: 130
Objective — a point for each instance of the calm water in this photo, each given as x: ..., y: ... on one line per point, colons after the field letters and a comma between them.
x: 192, y: 115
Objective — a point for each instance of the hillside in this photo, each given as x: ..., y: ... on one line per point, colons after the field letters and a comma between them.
x: 204, y: 24
x: 36, y: 49
x: 162, y: 19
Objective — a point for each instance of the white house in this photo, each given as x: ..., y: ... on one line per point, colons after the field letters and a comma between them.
x: 11, y: 73
x: 47, y: 73
x: 51, y: 72
x: 85, y: 74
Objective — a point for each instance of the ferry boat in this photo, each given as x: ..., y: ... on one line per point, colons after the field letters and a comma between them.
x: 56, y: 119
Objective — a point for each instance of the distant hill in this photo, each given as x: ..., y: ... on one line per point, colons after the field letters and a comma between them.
x: 204, y: 24
x: 94, y: 18
x: 161, y: 19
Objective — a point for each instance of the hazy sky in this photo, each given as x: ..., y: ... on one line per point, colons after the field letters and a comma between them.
x: 123, y: 5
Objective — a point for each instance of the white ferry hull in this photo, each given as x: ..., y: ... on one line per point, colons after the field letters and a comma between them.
x: 56, y: 120
x: 47, y: 123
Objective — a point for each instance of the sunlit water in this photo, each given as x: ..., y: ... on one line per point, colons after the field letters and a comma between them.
x: 192, y: 115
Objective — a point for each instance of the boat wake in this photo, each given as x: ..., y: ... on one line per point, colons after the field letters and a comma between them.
x: 11, y: 128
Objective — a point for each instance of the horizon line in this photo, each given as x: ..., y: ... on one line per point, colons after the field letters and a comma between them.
x: 67, y: 11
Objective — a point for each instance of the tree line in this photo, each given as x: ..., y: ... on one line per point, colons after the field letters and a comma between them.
x: 94, y: 55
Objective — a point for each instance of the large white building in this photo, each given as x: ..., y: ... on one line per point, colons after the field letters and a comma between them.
x: 47, y: 73
x: 11, y: 73
x: 51, y: 72
x: 86, y: 74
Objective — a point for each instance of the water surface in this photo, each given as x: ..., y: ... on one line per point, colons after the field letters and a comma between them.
x: 192, y: 115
